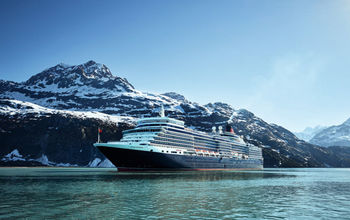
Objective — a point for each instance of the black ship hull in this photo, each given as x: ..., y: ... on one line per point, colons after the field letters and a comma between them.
x: 134, y: 160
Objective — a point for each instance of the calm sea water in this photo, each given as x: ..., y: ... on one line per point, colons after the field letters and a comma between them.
x: 87, y: 193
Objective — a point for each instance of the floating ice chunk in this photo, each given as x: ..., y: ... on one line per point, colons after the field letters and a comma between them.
x: 13, y: 156
x: 94, y: 163
x: 106, y: 163
x: 44, y: 160
x: 14, y: 153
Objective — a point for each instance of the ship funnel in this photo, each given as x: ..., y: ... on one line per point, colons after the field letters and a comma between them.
x: 220, y: 129
x: 161, y: 112
x: 213, y: 129
x: 229, y: 129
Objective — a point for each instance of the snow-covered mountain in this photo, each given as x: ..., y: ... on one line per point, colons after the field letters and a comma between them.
x: 308, y: 133
x: 338, y: 135
x: 55, y: 112
x: 89, y: 86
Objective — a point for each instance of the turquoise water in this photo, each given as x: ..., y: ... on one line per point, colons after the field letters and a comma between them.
x: 90, y: 193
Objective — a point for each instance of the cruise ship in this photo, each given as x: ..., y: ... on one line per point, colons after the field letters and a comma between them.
x: 163, y: 143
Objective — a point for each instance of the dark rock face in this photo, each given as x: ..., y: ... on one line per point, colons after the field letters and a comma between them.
x: 61, y: 138
x: 340, y: 156
x: 67, y: 138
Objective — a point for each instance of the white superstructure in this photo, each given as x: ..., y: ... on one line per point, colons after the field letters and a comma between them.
x: 170, y: 136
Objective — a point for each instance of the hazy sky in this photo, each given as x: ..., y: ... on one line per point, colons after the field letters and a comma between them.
x: 286, y: 61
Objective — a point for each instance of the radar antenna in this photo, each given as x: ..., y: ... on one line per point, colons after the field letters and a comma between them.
x: 220, y: 129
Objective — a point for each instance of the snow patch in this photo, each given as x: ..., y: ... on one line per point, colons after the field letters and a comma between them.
x: 65, y: 165
x: 45, y: 161
x: 13, y: 156
x: 16, y: 156
x: 17, y: 107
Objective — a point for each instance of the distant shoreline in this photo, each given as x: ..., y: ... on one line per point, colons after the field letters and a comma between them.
x: 52, y: 167
x: 3, y: 167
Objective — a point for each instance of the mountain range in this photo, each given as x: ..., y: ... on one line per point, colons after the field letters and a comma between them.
x: 52, y: 119
x: 308, y: 133
x: 338, y: 135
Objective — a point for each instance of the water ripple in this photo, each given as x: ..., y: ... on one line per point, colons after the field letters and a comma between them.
x: 77, y: 193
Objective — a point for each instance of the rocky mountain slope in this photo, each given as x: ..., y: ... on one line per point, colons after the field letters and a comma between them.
x: 338, y: 135
x: 35, y: 135
x: 75, y: 91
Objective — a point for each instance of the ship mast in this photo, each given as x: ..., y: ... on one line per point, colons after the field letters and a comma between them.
x: 161, y: 112
x: 99, y: 131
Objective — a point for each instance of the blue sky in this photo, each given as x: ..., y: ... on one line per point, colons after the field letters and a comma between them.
x: 286, y: 61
